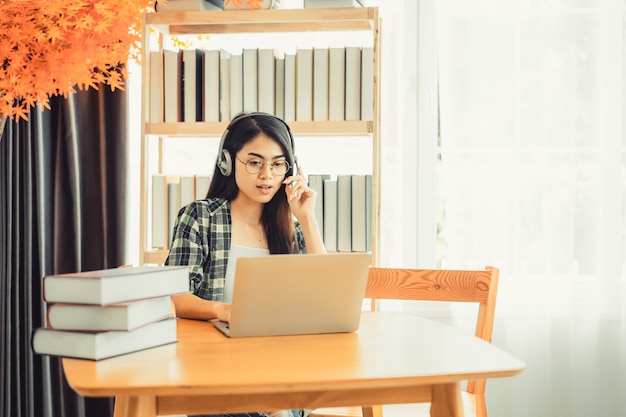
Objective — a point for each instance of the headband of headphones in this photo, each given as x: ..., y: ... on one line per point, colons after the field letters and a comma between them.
x: 224, y: 159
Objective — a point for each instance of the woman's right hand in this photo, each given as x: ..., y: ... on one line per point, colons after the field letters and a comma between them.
x: 222, y: 311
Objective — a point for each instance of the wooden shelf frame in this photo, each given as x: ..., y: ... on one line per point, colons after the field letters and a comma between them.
x: 258, y: 21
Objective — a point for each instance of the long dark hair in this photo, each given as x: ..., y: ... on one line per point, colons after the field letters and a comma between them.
x: 276, y: 217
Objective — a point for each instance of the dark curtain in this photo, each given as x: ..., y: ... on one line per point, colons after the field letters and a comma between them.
x: 62, y: 191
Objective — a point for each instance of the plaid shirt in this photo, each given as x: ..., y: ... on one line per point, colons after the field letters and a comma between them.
x: 201, y: 240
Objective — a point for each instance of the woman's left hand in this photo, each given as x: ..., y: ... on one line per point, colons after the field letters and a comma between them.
x: 300, y: 197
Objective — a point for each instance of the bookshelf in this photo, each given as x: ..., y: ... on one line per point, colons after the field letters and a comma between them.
x: 246, y: 22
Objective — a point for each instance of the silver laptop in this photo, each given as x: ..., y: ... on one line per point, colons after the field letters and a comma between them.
x: 297, y: 294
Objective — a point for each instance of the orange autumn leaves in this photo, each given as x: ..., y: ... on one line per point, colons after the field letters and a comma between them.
x: 254, y: 4
x: 48, y: 48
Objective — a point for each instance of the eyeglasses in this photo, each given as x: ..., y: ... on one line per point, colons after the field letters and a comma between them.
x: 254, y: 166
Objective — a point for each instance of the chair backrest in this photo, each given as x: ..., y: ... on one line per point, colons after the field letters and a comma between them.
x: 476, y: 286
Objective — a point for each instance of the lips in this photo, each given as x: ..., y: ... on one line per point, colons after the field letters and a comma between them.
x: 265, y: 188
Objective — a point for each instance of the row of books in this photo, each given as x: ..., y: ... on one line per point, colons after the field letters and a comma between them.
x: 344, y: 211
x: 169, y: 194
x: 315, y: 84
x: 99, y: 314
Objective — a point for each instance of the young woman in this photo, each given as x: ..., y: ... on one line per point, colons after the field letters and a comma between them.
x: 254, y: 195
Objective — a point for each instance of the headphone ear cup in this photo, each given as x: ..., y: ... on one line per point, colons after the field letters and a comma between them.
x: 225, y: 163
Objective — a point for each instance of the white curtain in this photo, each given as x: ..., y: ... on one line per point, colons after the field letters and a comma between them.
x: 524, y: 170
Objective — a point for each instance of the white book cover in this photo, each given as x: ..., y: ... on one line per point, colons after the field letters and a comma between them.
x: 236, y: 85
x: 353, y: 83
x: 172, y: 86
x: 330, y: 215
x: 192, y: 85
x: 337, y: 84
x: 361, y: 212
x: 320, y: 84
x: 267, y: 78
x: 159, y: 211
x: 250, y: 62
x: 304, y: 85
x: 156, y: 86
x: 344, y: 213
x: 202, y: 186
x: 211, y: 85
x: 224, y: 86
x: 316, y: 183
x: 279, y: 86
x: 187, y: 189
x: 173, y: 206
x: 290, y: 87
x: 367, y: 83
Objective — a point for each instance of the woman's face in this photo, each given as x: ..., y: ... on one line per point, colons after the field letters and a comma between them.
x: 262, y: 186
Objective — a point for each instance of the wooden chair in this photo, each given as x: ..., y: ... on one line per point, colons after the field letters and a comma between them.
x: 476, y: 286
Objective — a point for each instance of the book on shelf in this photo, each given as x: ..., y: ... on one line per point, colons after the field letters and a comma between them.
x: 173, y: 205
x: 330, y: 215
x: 118, y: 316
x: 353, y: 83
x: 290, y: 87
x: 236, y: 84
x: 159, y: 211
x: 202, y: 186
x: 250, y: 84
x: 188, y: 5
x: 361, y: 212
x: 344, y: 213
x: 316, y: 183
x: 336, y: 83
x: 224, y: 86
x: 267, y: 74
x: 320, y: 84
x: 102, y: 345
x: 156, y: 86
x: 115, y: 285
x: 279, y: 86
x: 192, y: 85
x: 211, y: 85
x: 249, y: 4
x: 304, y: 84
x: 172, y: 86
x: 367, y: 83
x: 187, y: 190
x: 323, y: 4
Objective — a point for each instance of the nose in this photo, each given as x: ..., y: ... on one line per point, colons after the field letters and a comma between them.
x: 266, y: 171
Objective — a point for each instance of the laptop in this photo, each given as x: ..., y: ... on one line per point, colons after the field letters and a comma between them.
x: 281, y: 295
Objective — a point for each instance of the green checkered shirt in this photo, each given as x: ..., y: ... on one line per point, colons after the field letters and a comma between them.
x: 201, y: 240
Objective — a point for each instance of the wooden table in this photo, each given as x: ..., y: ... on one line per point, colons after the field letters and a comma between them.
x: 393, y: 358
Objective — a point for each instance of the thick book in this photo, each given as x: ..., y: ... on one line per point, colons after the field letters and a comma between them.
x: 173, y: 205
x: 187, y: 189
x: 330, y: 215
x: 316, y: 183
x: 211, y: 85
x: 224, y: 86
x: 320, y: 84
x: 236, y: 85
x: 367, y: 83
x: 353, y: 82
x: 267, y: 77
x: 304, y: 85
x: 102, y: 345
x: 115, y: 285
x: 290, y: 87
x: 344, y: 213
x: 337, y: 84
x: 156, y: 86
x: 361, y: 212
x: 202, y: 186
x: 192, y: 85
x: 172, y: 86
x: 119, y: 316
x: 250, y: 86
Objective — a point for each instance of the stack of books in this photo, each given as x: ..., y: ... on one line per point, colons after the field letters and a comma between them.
x: 100, y: 314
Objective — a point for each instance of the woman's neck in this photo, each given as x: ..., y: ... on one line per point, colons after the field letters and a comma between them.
x: 246, y: 212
